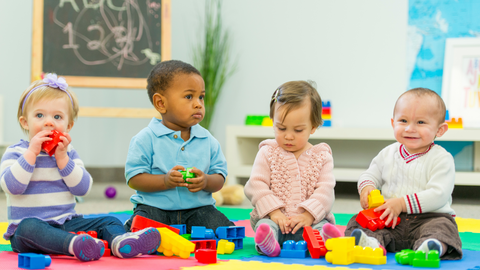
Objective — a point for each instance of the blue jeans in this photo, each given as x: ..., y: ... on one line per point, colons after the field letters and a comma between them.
x: 37, y: 236
x: 207, y: 216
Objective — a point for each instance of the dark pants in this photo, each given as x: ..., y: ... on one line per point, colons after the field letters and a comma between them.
x: 37, y: 236
x: 413, y: 230
x: 206, y: 216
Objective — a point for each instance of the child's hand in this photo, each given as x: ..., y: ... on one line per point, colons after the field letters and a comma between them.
x: 300, y: 221
x: 199, y: 182
x: 174, y: 178
x: 364, y: 196
x: 393, y: 208
x: 282, y: 221
x: 36, y: 142
x: 61, y: 150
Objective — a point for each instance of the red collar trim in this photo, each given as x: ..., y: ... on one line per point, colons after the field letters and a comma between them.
x: 411, y: 157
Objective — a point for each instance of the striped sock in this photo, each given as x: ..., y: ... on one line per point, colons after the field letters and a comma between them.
x: 266, y: 241
x: 329, y: 231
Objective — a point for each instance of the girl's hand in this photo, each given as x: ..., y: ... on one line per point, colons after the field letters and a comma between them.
x: 61, y: 150
x: 174, y: 178
x: 199, y: 182
x: 364, y: 196
x: 282, y: 221
x: 300, y: 221
x: 36, y: 142
x: 393, y: 208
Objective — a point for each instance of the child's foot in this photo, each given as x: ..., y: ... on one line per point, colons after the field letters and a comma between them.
x: 363, y: 240
x: 87, y: 248
x: 329, y: 231
x: 431, y: 244
x: 135, y: 244
x: 266, y: 241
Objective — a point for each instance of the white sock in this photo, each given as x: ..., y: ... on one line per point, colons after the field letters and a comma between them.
x: 70, y: 246
x: 431, y: 244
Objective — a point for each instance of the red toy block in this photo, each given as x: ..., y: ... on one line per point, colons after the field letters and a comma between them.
x: 326, y: 110
x: 205, y: 244
x: 51, y: 146
x: 370, y: 219
x: 140, y: 223
x: 107, y: 252
x: 206, y: 256
x: 315, y: 243
x: 92, y: 234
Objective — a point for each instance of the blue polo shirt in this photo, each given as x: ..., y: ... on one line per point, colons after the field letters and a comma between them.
x: 156, y: 149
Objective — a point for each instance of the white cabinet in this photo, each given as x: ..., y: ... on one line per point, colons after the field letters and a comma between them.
x: 353, y: 149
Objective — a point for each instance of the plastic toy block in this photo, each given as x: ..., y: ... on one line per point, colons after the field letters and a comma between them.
x: 267, y: 122
x: 187, y: 174
x: 199, y: 232
x: 418, y: 258
x: 327, y: 123
x: 182, y: 228
x: 174, y: 244
x: 368, y: 255
x: 255, y: 120
x: 315, y: 244
x: 326, y: 104
x: 33, y: 261
x: 51, y: 146
x: 225, y: 246
x: 206, y: 256
x: 370, y: 219
x: 375, y: 199
x: 237, y: 241
x: 326, y: 116
x: 186, y: 236
x: 140, y: 223
x: 326, y: 110
x: 455, y: 123
x: 230, y: 232
x: 205, y: 244
x: 341, y: 250
x: 290, y: 249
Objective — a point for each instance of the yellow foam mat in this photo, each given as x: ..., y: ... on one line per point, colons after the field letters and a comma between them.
x: 3, y: 229
x: 468, y: 225
x: 242, y: 265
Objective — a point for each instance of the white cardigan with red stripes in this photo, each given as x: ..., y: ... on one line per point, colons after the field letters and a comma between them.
x: 424, y: 180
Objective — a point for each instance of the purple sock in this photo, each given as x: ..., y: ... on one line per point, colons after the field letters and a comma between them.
x: 266, y: 241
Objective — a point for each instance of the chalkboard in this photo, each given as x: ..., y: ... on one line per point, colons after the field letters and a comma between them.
x: 100, y: 43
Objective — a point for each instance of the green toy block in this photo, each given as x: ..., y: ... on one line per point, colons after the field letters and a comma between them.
x: 254, y: 120
x: 418, y: 258
x: 187, y: 174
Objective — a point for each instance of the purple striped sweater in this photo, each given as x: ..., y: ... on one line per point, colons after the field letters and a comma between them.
x: 41, y: 190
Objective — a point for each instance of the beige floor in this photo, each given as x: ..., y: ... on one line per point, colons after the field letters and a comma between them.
x: 466, y: 206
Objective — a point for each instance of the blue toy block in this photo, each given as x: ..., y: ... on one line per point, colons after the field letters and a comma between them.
x: 327, y: 123
x: 202, y: 233
x: 230, y: 232
x: 291, y: 249
x: 326, y: 104
x: 237, y: 241
x: 181, y: 227
x: 33, y: 261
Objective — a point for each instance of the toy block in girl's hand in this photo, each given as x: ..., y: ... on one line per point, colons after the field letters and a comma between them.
x: 51, y: 146
x: 370, y: 219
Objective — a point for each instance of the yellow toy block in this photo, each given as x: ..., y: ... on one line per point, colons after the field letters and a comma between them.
x: 455, y: 123
x: 267, y: 122
x: 375, y: 199
x: 341, y: 250
x: 174, y: 244
x: 368, y: 255
x: 225, y: 246
x: 326, y: 116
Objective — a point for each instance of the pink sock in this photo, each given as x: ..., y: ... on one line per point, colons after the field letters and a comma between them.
x: 329, y: 231
x: 266, y: 241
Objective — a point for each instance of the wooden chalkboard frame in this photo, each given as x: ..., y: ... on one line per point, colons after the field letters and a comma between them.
x: 102, y: 82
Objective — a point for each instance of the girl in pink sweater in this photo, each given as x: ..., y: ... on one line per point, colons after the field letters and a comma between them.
x: 292, y: 184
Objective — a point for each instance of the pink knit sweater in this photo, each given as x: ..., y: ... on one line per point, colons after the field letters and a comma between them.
x: 280, y: 181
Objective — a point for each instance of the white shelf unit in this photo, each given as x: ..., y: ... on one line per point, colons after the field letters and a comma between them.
x: 353, y: 149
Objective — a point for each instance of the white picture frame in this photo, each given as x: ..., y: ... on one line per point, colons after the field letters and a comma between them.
x: 461, y: 80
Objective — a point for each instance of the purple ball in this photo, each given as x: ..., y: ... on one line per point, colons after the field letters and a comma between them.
x: 110, y: 192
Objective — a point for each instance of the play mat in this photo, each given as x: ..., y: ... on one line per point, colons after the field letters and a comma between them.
x: 247, y: 258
